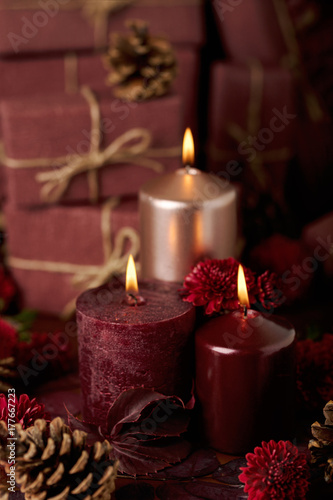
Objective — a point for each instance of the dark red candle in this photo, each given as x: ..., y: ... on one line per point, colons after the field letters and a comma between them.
x: 245, y: 380
x: 123, y: 346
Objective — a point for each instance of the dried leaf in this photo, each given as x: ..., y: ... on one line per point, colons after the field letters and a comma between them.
x: 199, y: 490
x: 145, y: 429
x: 198, y: 464
x: 93, y: 432
x: 137, y: 491
x: 228, y: 473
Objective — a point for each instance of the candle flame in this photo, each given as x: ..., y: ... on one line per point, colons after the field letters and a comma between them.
x: 188, y: 148
x: 131, y: 277
x: 242, y: 288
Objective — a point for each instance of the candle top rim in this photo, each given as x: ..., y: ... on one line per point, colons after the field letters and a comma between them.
x: 200, y: 186
x: 269, y: 331
x: 107, y: 304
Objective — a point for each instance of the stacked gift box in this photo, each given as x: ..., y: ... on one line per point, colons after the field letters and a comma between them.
x: 74, y: 154
x: 263, y: 111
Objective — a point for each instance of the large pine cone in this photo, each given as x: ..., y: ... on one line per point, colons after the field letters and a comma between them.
x: 54, y: 463
x: 321, y: 447
x: 142, y: 66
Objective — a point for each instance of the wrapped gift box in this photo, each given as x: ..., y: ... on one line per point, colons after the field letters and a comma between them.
x: 250, y: 30
x: 65, y: 148
x: 30, y: 76
x: 30, y: 26
x: 68, y: 249
x: 252, y: 123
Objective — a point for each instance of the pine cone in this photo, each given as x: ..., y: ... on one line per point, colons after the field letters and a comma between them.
x: 142, y: 66
x: 7, y: 373
x: 51, y: 461
x: 321, y: 447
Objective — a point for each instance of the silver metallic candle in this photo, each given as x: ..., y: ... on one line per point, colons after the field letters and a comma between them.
x: 185, y: 216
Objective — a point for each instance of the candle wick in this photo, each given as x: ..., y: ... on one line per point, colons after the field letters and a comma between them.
x: 188, y: 168
x: 134, y: 300
x: 245, y: 311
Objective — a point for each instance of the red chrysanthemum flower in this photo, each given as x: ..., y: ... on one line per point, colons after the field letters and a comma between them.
x: 276, y: 471
x: 8, y: 339
x: 26, y: 410
x: 314, y: 372
x: 213, y: 284
x: 270, y: 290
x: 7, y: 289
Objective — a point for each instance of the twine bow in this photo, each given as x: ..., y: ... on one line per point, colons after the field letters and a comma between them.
x: 134, y: 146
x: 91, y: 276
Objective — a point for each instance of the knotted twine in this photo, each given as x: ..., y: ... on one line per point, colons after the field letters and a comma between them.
x: 121, y: 150
x: 91, y: 276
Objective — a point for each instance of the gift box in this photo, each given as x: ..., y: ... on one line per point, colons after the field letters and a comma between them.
x: 66, y: 250
x: 252, y: 124
x: 30, y: 26
x: 30, y: 76
x: 252, y: 29
x: 76, y: 148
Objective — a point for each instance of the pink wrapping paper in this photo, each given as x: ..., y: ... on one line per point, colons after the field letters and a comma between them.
x: 34, y: 75
x: 58, y: 126
x: 230, y: 96
x: 60, y: 234
x: 54, y: 29
x: 249, y: 30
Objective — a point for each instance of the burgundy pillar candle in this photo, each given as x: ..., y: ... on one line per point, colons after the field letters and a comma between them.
x: 245, y: 380
x: 123, y: 346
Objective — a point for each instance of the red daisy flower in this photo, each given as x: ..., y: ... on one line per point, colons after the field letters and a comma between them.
x: 213, y: 284
x: 8, y: 339
x: 270, y: 290
x: 276, y: 471
x: 26, y: 410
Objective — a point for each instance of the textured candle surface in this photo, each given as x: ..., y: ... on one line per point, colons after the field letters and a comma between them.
x: 245, y: 380
x: 122, y: 346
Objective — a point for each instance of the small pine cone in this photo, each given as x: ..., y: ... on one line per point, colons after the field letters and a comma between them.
x: 7, y: 374
x: 321, y: 447
x: 52, y: 461
x: 142, y: 66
